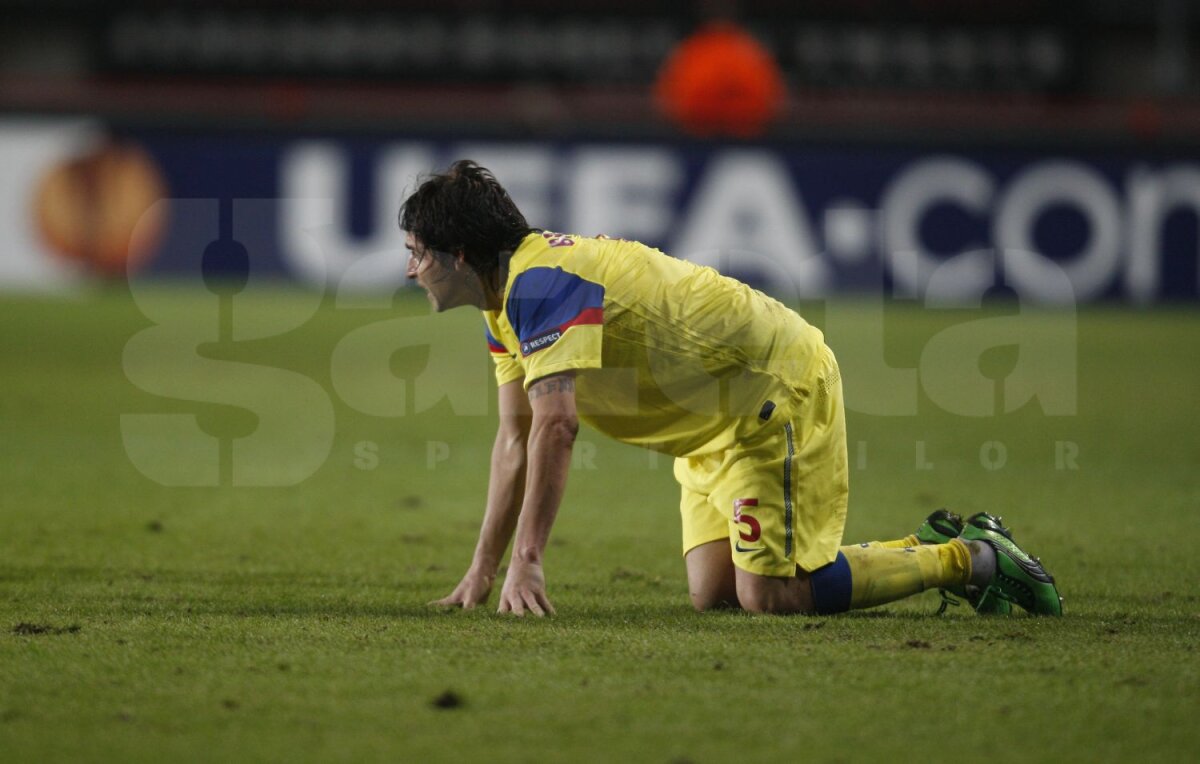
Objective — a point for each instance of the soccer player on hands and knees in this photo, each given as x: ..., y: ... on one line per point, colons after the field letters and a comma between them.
x: 664, y: 354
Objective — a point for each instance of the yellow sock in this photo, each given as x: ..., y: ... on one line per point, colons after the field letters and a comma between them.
x: 909, y: 540
x: 882, y: 574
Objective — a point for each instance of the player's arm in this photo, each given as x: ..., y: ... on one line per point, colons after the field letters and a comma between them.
x: 506, y: 487
x: 551, y: 439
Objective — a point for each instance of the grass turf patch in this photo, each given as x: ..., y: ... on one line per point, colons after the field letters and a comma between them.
x: 139, y: 621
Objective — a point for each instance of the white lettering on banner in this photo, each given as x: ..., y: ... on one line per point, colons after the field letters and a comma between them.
x: 746, y: 201
x: 525, y: 171
x: 1030, y: 194
x: 746, y: 215
x: 1041, y: 186
x: 849, y: 231
x: 313, y: 222
x: 903, y: 204
x: 622, y: 192
x: 28, y: 149
x: 1153, y: 196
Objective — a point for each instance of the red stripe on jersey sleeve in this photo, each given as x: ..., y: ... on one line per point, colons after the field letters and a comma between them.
x: 586, y: 316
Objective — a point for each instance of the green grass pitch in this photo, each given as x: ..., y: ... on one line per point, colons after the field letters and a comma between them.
x: 140, y: 622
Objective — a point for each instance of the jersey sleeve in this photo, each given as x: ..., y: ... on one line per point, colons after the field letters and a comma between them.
x: 508, y: 369
x: 558, y: 318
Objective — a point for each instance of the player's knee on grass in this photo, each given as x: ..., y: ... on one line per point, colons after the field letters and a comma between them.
x: 710, y: 576
x: 768, y: 594
x: 713, y: 600
x: 712, y: 592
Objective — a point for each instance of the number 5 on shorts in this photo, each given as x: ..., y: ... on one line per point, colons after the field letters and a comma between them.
x: 742, y: 518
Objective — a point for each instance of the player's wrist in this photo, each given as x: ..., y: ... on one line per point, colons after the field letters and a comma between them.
x: 485, y: 566
x: 527, y: 556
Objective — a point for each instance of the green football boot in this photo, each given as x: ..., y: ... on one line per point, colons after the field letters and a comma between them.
x: 1019, y: 577
x: 939, y: 528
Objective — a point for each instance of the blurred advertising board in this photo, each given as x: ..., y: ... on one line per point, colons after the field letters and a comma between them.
x: 80, y: 201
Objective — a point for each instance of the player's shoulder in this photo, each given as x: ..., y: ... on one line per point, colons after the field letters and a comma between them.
x: 548, y: 257
x: 547, y: 248
x: 590, y: 256
x: 553, y: 281
x: 549, y: 263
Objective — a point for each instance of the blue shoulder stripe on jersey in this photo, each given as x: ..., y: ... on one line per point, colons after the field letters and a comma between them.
x: 494, y: 345
x: 544, y: 299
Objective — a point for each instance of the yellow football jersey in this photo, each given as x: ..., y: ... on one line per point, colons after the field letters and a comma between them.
x: 669, y: 355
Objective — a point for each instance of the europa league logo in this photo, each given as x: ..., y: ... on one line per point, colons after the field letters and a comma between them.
x: 100, y: 208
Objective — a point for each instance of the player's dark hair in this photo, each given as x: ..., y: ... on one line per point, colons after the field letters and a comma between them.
x: 465, y: 209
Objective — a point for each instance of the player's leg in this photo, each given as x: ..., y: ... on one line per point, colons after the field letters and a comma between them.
x: 938, y: 528
x: 986, y: 561
x: 802, y: 488
x: 775, y: 594
x: 787, y: 496
x: 862, y: 577
x: 942, y: 526
x: 710, y: 575
x: 1017, y: 577
x: 984, y: 558
x: 866, y: 575
x: 705, y: 546
x: 766, y: 535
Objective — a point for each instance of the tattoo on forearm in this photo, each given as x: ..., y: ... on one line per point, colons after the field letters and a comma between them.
x: 562, y: 384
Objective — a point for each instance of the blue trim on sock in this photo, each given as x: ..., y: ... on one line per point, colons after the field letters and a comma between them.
x: 831, y: 586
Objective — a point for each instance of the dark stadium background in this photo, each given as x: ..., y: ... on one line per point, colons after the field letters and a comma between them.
x: 225, y: 99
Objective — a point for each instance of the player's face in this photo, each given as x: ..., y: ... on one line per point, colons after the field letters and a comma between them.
x: 446, y: 282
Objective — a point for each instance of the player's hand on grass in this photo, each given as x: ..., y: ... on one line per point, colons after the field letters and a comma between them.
x: 524, y: 590
x: 474, y: 589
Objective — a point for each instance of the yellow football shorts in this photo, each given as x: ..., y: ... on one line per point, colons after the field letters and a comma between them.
x: 780, y: 500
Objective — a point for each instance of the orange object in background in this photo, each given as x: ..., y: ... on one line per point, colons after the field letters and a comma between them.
x: 720, y: 81
x: 102, y: 208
